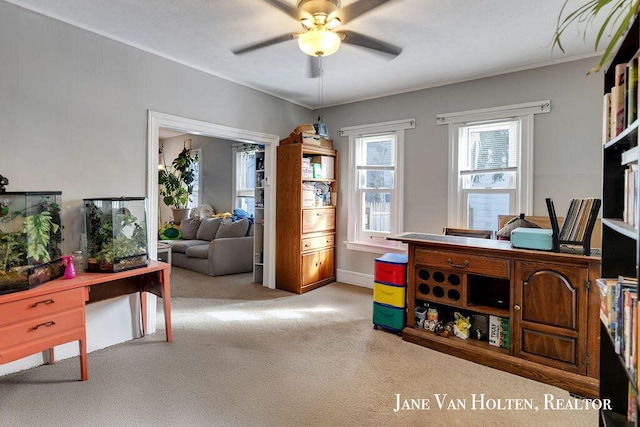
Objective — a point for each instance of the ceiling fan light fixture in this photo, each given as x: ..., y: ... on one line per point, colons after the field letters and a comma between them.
x: 319, y: 42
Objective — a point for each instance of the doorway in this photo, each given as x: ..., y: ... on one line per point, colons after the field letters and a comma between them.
x: 158, y: 120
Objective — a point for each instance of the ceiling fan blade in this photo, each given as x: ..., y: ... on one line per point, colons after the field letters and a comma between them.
x: 314, y: 67
x: 286, y: 8
x: 275, y: 40
x: 357, y: 39
x: 354, y: 10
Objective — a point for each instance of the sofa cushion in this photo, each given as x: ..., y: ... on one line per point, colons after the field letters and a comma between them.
x: 198, y: 251
x: 189, y: 228
x: 181, y: 246
x: 208, y: 228
x: 233, y: 229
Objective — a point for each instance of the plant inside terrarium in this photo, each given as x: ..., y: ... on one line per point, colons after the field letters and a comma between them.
x: 113, y: 236
x: 33, y: 243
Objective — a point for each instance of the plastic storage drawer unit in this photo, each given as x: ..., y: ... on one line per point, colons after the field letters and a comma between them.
x: 391, y: 269
x: 389, y: 295
x: 388, y: 317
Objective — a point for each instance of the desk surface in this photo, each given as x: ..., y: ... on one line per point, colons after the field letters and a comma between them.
x: 486, y: 246
x: 83, y: 280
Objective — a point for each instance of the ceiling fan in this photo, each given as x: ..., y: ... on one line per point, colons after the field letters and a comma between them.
x: 319, y: 18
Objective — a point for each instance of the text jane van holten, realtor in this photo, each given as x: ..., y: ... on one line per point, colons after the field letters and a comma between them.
x: 482, y: 402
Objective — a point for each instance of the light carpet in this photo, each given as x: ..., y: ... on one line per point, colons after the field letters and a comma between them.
x: 244, y: 355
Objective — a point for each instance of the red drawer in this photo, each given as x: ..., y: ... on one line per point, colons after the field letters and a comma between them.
x: 391, y: 269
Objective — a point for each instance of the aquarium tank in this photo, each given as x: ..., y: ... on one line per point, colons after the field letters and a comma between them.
x: 116, y: 234
x: 30, y: 239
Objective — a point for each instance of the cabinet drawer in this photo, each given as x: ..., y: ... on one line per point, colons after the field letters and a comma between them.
x: 389, y: 295
x: 43, y: 305
x: 314, y: 220
x: 41, y: 327
x: 495, y: 267
x: 388, y: 317
x: 318, y: 242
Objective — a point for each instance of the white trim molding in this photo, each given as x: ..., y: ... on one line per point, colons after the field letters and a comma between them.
x: 354, y: 278
x: 374, y: 128
x: 157, y: 120
x: 493, y: 113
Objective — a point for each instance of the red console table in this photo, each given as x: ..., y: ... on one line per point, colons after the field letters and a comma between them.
x: 54, y: 313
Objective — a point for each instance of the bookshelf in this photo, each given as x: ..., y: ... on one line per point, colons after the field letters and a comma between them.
x: 620, y: 209
x: 258, y: 227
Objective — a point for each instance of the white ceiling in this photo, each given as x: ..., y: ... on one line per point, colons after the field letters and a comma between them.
x: 443, y: 41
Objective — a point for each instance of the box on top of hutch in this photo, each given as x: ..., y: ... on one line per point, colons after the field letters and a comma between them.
x: 116, y: 230
x: 30, y: 239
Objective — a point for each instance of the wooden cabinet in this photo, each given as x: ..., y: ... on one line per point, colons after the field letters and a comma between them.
x: 305, y: 217
x: 549, y: 301
x: 30, y: 325
x: 550, y: 313
x: 619, y: 240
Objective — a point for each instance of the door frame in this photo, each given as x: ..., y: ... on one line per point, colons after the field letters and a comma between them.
x: 157, y: 120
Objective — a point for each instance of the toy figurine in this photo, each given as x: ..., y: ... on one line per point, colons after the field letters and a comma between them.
x: 461, y: 326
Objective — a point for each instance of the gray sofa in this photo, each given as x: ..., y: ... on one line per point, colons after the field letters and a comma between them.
x: 214, y: 246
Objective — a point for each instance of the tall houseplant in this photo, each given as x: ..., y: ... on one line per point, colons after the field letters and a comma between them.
x: 176, y: 183
x: 618, y: 15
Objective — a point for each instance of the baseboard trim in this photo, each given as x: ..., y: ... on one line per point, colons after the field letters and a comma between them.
x: 355, y: 278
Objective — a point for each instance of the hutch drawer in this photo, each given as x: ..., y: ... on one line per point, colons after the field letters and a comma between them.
x: 464, y: 263
x: 313, y: 243
x: 314, y: 220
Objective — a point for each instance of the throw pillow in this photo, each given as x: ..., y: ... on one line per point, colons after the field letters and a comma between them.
x: 505, y: 232
x: 208, y: 228
x: 189, y: 228
x: 169, y: 231
x: 233, y: 229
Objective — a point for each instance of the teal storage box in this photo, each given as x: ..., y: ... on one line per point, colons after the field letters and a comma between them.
x: 532, y: 238
x: 388, y: 317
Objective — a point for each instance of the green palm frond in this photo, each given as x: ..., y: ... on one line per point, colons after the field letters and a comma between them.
x: 619, y: 14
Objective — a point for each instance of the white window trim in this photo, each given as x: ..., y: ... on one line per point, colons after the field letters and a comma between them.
x: 525, y: 113
x: 354, y: 132
x: 198, y: 152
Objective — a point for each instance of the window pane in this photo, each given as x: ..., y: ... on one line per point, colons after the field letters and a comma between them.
x: 375, y: 179
x: 376, y: 212
x: 249, y: 172
x: 246, y: 203
x: 490, y: 146
x: 379, y: 152
x: 492, y: 180
x: 483, y: 209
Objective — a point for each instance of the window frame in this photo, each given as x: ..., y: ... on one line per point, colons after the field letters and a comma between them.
x: 357, y: 238
x: 239, y: 175
x: 524, y: 113
x: 194, y: 198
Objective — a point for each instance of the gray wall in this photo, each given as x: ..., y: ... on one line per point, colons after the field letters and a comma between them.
x: 73, y: 118
x: 567, y: 147
x: 216, y: 166
x: 73, y: 110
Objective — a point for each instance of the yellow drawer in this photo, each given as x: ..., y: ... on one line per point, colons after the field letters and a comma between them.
x: 389, y: 295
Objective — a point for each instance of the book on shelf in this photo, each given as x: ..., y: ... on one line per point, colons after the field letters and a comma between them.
x: 606, y: 118
x: 607, y: 289
x: 619, y: 97
x: 632, y: 404
x: 632, y: 90
x: 630, y: 211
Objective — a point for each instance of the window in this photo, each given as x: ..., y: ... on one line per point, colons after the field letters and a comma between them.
x: 375, y: 184
x: 194, y: 199
x: 490, y: 164
x: 245, y: 180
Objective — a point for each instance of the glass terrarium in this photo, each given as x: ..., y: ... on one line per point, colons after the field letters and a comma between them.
x: 116, y: 230
x: 30, y: 239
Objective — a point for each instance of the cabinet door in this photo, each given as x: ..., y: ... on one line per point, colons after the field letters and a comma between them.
x: 550, y: 315
x: 317, y: 266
